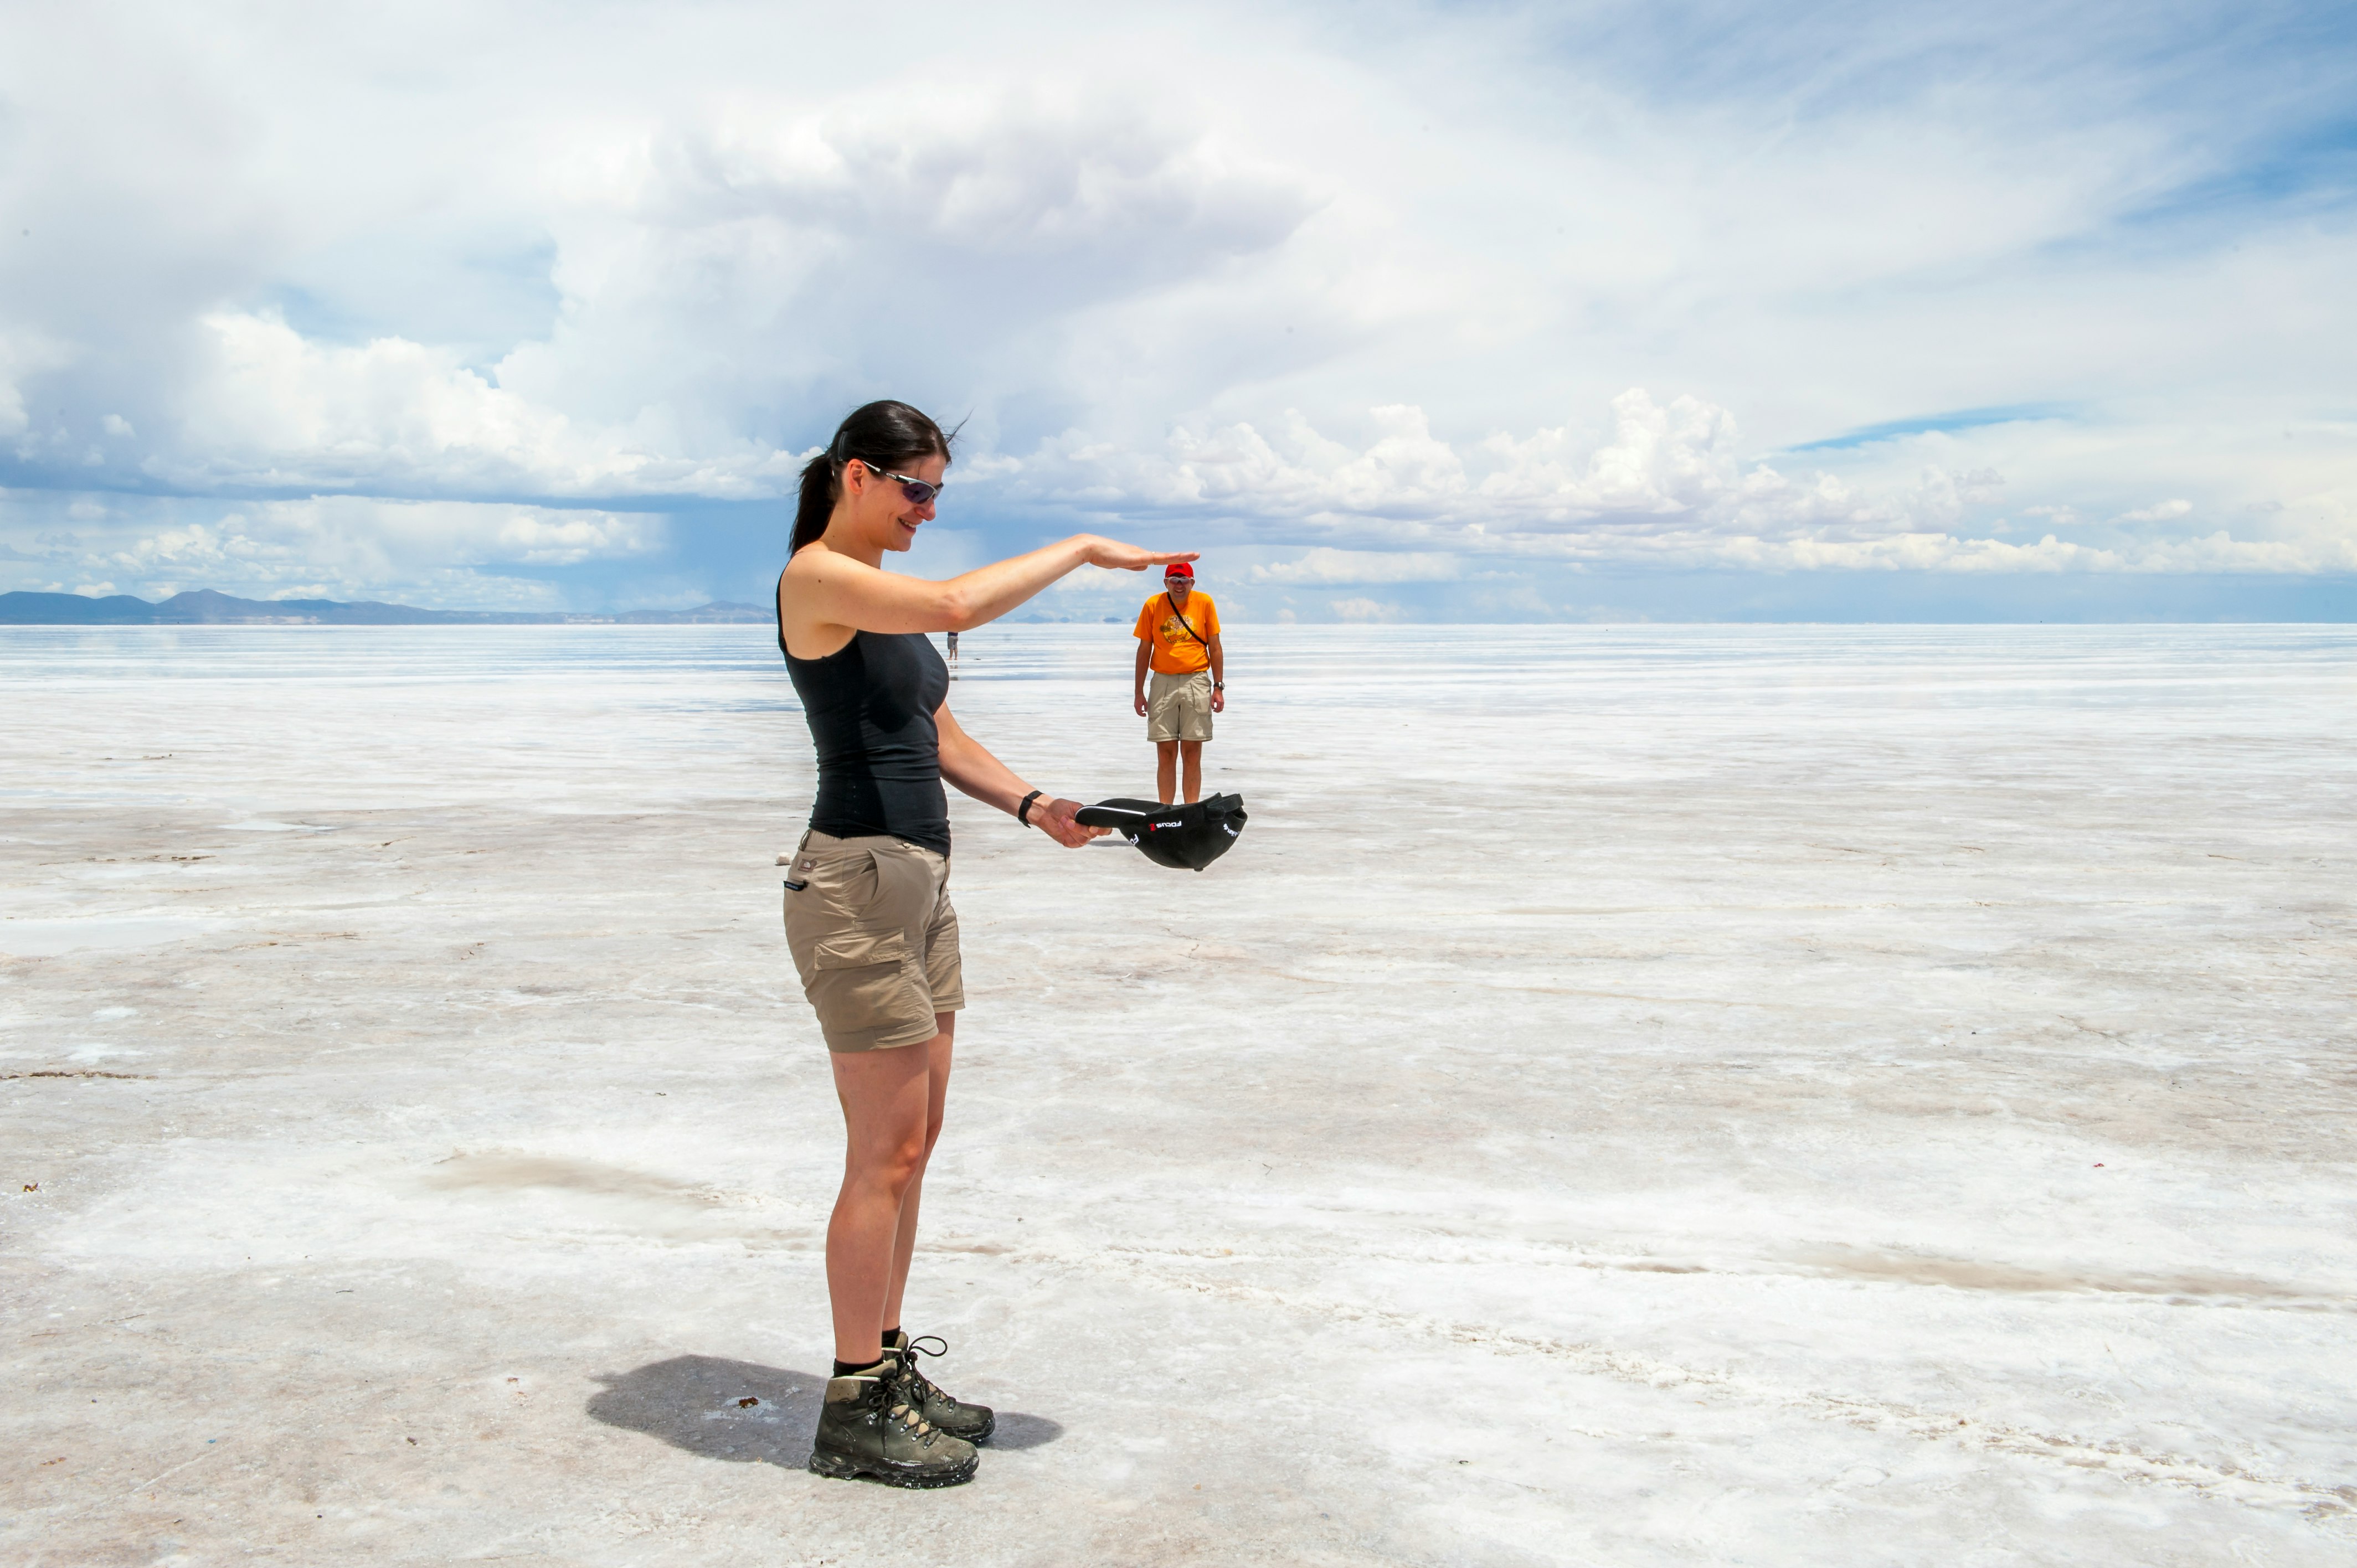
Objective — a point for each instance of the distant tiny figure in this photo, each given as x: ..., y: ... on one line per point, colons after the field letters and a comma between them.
x: 953, y: 647
x: 1178, y: 639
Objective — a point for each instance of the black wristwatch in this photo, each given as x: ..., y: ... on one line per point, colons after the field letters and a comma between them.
x: 1023, y: 811
x: 1219, y: 685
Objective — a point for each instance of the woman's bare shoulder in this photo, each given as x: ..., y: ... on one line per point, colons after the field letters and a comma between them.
x: 806, y: 589
x: 814, y: 563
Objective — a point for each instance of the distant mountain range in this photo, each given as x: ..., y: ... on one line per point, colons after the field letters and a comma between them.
x: 203, y: 606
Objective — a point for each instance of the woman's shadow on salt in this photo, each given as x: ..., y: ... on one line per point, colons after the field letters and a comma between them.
x: 746, y: 1413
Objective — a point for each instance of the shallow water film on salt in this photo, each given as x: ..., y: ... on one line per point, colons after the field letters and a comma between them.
x: 1639, y: 1096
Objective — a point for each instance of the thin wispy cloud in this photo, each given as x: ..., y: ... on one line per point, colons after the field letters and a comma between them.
x: 1488, y: 294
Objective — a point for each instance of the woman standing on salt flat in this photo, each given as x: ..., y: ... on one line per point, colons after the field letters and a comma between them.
x: 867, y: 911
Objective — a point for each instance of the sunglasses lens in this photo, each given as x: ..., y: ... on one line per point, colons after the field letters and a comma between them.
x: 919, y: 492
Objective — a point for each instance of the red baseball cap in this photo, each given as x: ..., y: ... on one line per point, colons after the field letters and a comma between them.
x: 1178, y: 569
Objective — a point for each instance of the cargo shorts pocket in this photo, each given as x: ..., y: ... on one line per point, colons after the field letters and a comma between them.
x: 865, y: 987
x: 848, y: 882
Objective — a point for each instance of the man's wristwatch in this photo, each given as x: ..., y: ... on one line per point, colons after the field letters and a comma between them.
x: 1219, y: 685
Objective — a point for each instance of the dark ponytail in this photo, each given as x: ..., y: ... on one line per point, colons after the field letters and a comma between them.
x: 882, y: 435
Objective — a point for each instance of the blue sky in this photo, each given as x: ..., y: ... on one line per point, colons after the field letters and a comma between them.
x: 1397, y: 311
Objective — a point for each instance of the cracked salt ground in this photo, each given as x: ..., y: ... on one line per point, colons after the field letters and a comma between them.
x: 1775, y: 1096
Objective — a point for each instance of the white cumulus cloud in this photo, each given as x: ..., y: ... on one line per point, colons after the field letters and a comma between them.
x: 279, y: 411
x: 1668, y: 484
x: 348, y: 546
x: 1324, y: 284
x: 1324, y: 565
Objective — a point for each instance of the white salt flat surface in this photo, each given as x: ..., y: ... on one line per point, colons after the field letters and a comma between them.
x: 1790, y: 1096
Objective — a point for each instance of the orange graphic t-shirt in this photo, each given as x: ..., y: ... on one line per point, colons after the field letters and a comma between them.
x: 1174, y: 652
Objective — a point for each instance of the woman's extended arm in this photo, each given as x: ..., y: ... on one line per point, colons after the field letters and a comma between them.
x: 967, y: 763
x: 832, y: 589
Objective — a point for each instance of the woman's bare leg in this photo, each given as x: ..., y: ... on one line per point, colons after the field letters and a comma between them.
x: 904, y: 1242
x: 891, y: 1110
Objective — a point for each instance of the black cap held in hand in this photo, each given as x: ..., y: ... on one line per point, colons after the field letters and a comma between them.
x: 1185, y: 838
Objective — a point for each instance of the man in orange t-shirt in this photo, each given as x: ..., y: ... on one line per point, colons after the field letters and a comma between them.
x: 1179, y: 638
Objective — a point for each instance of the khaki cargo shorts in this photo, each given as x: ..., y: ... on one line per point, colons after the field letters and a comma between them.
x: 874, y: 939
x: 1178, y: 707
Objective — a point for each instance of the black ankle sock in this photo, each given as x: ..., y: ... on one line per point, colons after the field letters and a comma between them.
x: 890, y: 1335
x: 844, y: 1369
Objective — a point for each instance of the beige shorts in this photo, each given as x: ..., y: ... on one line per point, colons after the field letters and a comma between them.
x: 1178, y: 707
x: 874, y: 939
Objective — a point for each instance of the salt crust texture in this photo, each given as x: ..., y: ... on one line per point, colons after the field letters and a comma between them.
x: 1635, y: 1096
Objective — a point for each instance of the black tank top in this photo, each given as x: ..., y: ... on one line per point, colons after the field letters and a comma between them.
x: 871, y: 707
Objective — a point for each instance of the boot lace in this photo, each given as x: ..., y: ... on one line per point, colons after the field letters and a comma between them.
x: 907, y: 1413
x: 914, y: 1382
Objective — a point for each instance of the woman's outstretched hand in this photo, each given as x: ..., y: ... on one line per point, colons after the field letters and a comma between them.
x: 1123, y: 557
x: 1055, y: 819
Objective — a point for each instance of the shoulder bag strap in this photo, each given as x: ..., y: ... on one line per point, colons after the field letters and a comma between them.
x: 1173, y: 603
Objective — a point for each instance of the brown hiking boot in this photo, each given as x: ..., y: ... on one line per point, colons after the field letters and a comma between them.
x: 971, y: 1422
x: 868, y: 1426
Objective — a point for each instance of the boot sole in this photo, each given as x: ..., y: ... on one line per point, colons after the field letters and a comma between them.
x: 838, y: 1468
